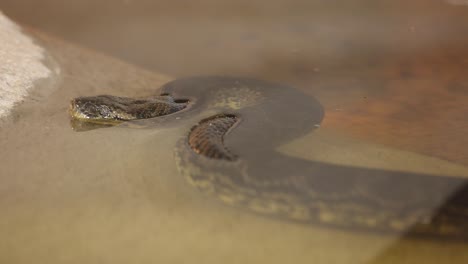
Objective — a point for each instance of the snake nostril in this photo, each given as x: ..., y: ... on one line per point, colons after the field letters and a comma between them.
x: 181, y: 101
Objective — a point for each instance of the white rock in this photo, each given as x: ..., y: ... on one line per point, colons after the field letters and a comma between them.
x: 20, y: 65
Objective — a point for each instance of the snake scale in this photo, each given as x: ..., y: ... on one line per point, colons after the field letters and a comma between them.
x: 237, y: 123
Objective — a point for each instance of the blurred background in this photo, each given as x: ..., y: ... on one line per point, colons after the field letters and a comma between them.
x: 392, y: 72
x: 275, y: 37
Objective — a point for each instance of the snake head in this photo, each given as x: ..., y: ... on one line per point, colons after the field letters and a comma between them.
x: 97, y: 109
x: 112, y: 110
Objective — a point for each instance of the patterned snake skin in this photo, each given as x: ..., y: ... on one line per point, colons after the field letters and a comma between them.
x: 237, y: 123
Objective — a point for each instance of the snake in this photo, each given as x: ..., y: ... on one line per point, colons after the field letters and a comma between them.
x: 229, y: 151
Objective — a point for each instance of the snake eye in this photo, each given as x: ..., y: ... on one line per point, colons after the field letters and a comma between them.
x: 104, y: 111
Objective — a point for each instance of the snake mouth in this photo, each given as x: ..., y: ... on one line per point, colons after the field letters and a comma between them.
x: 207, y: 137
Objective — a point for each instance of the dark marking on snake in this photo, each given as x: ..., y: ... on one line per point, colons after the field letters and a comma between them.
x: 230, y: 152
x: 207, y: 137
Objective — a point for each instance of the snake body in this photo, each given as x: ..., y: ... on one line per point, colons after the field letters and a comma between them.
x: 230, y: 153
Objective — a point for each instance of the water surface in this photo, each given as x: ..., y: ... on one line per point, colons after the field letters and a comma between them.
x: 392, y: 78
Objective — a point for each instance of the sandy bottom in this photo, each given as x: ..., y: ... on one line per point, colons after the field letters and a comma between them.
x: 114, y: 195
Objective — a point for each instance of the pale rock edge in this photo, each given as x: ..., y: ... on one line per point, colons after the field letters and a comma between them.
x: 21, y: 65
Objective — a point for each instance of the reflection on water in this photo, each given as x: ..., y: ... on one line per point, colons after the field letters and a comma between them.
x: 390, y: 72
x: 80, y: 126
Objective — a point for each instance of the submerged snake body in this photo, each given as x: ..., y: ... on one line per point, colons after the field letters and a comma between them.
x: 231, y: 154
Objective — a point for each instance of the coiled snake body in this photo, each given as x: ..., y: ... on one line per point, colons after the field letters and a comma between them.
x: 230, y: 153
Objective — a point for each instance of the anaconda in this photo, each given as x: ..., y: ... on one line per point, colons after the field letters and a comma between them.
x: 230, y: 152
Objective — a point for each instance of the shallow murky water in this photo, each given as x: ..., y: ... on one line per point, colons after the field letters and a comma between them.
x: 392, y: 78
